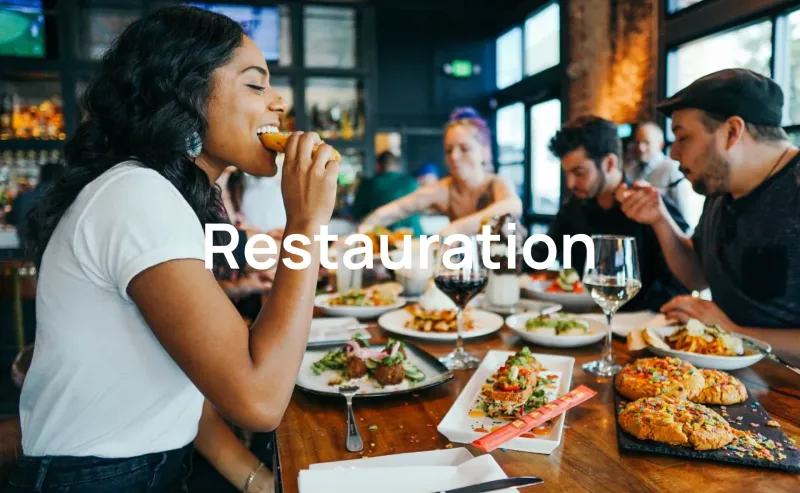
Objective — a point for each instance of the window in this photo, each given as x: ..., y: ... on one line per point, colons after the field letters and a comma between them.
x: 542, y: 40
x: 330, y: 37
x: 745, y: 47
x: 676, y: 5
x: 511, y: 144
x: 545, y: 120
x: 794, y: 136
x: 792, y: 83
x: 335, y: 107
x: 509, y: 58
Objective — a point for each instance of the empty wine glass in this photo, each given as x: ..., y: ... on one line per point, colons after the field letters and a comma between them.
x: 612, y: 282
x: 460, y: 274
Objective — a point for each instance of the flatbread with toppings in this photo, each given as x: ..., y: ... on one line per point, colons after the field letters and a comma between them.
x: 651, y: 377
x: 676, y: 421
x: 720, y: 389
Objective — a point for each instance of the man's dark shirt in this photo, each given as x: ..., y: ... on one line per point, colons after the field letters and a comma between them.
x: 749, y: 249
x: 585, y: 216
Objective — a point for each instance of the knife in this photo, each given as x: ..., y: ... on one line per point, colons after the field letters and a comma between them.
x: 497, y: 484
x: 770, y: 355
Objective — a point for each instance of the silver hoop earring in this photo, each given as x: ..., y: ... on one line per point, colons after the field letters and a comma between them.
x: 194, y: 144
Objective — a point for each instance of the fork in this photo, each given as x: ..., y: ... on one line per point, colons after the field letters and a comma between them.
x: 354, y: 442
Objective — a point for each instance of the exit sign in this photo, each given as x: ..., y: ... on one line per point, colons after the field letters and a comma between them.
x: 461, y: 69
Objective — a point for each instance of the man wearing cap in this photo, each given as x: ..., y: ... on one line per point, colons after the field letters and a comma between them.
x: 745, y: 248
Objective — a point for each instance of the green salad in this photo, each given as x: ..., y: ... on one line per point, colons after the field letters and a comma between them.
x: 560, y: 324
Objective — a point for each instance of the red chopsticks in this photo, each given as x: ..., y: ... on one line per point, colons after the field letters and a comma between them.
x: 529, y: 421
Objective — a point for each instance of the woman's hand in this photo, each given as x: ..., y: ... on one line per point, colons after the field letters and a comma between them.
x: 309, y: 180
x: 263, y: 482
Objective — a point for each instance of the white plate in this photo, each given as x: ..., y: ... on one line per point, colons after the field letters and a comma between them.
x: 726, y: 363
x: 596, y: 334
x: 321, y: 302
x: 576, y: 303
x: 485, y: 324
x: 435, y: 374
x: 524, y: 306
x: 458, y: 426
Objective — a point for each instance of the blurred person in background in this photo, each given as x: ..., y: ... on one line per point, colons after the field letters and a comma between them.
x: 649, y: 163
x: 27, y: 199
x: 470, y: 194
x: 389, y: 183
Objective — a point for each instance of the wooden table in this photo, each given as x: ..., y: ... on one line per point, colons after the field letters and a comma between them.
x: 314, y: 429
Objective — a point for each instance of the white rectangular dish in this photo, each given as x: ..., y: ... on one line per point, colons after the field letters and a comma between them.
x: 458, y: 426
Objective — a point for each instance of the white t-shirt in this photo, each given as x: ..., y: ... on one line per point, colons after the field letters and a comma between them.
x: 100, y: 383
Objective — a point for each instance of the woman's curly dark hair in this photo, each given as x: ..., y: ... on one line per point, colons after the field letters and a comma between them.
x: 149, y: 95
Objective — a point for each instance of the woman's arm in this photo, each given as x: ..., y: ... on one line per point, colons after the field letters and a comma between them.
x: 404, y: 207
x: 223, y: 450
x: 247, y: 374
x: 505, y: 202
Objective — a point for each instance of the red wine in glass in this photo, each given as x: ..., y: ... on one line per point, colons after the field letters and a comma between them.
x: 459, y: 288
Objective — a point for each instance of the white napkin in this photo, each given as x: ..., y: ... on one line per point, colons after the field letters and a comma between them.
x: 444, y: 457
x: 420, y: 472
x: 335, y: 329
x: 624, y: 323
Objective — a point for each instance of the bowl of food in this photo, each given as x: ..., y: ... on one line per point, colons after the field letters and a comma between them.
x: 556, y: 329
x: 361, y: 303
x: 566, y: 289
x: 705, y: 346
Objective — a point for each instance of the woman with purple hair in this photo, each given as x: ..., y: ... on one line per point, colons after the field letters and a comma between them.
x: 470, y: 194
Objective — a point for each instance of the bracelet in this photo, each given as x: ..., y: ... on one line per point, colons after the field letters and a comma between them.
x: 251, y: 477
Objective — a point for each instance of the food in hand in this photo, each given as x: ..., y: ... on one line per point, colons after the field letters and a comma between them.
x: 651, y: 377
x: 720, y: 389
x: 558, y: 325
x: 676, y: 421
x: 356, y: 360
x: 567, y: 281
x: 275, y: 140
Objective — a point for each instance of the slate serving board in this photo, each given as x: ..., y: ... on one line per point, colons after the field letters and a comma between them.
x: 750, y: 411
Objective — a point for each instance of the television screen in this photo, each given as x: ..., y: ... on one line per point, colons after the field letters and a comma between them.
x: 22, y: 28
x: 261, y: 24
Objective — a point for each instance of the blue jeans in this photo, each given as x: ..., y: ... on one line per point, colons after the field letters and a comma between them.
x: 162, y: 472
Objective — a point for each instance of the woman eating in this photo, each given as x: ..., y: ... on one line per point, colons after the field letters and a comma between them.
x: 469, y: 195
x: 139, y: 352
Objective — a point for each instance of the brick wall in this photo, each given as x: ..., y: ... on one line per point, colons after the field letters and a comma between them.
x: 614, y: 58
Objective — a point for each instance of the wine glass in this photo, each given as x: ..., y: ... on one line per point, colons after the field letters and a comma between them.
x: 460, y: 274
x: 612, y: 282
